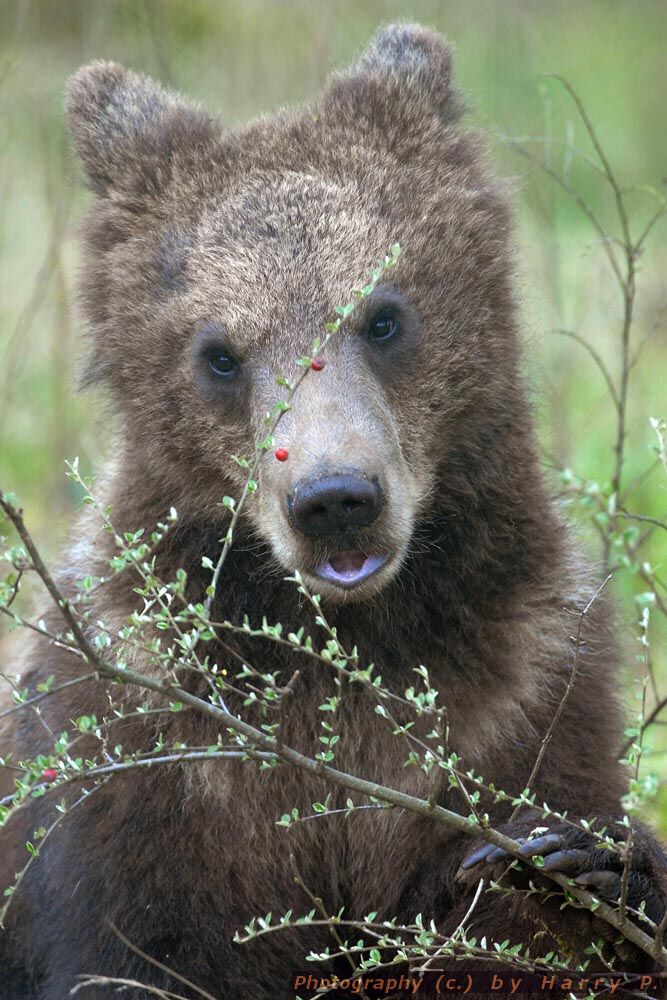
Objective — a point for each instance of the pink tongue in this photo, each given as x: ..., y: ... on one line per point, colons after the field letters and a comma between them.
x: 347, y: 562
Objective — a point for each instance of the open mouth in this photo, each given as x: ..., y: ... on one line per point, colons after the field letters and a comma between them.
x: 349, y: 568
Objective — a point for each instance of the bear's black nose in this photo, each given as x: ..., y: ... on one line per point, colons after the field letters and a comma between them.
x: 334, y: 504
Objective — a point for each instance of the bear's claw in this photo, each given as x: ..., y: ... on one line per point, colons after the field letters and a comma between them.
x: 541, y: 845
x: 603, y: 883
x: 565, y: 861
x: 591, y: 865
x: 558, y: 857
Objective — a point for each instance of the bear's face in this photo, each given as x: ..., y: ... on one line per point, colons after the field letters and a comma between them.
x: 265, y: 273
x: 215, y: 259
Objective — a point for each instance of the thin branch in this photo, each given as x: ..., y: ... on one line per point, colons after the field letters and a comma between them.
x: 159, y: 965
x: 604, y: 371
x: 606, y: 165
x: 583, y: 205
x: 22, y: 873
x: 642, y: 517
x: 45, y: 694
x: 635, y: 483
x: 566, y: 694
x: 628, y: 287
x: 641, y: 239
x: 92, y: 980
x: 648, y: 721
x: 320, y: 907
x: 459, y: 929
x: 184, y: 757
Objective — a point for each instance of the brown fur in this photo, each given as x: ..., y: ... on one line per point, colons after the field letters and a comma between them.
x: 263, y: 231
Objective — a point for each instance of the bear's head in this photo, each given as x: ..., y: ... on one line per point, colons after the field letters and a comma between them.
x: 214, y: 258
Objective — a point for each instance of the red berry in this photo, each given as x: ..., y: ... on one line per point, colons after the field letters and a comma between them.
x: 282, y: 454
x: 49, y: 774
x: 317, y: 364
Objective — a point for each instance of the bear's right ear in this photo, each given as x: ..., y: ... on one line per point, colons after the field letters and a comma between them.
x: 129, y: 131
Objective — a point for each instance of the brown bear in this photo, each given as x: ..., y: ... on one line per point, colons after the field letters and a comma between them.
x: 411, y: 499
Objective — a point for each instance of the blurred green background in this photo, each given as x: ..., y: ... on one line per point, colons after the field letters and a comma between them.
x: 248, y: 56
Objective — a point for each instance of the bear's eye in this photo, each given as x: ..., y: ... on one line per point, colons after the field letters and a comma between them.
x: 383, y: 326
x: 222, y: 364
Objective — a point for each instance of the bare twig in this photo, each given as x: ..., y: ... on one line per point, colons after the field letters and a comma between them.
x: 458, y: 930
x: 159, y: 965
x: 604, y: 371
x: 643, y: 517
x: 546, y: 740
x: 322, y: 910
x: 88, y: 979
x: 45, y: 694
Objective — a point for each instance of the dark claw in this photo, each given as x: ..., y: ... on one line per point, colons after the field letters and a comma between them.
x: 481, y: 854
x: 540, y: 845
x: 487, y: 853
x: 497, y: 855
x: 564, y: 861
x: 605, y: 883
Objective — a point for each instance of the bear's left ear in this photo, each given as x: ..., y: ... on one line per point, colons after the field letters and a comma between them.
x: 404, y: 75
x: 131, y: 134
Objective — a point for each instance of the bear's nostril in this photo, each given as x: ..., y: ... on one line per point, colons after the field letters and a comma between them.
x: 350, y: 505
x: 337, y: 503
